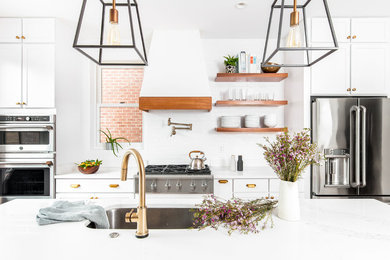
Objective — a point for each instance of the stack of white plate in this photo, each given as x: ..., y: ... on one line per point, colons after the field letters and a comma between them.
x: 252, y: 121
x: 230, y: 121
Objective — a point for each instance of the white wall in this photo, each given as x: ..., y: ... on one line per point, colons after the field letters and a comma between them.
x: 73, y: 86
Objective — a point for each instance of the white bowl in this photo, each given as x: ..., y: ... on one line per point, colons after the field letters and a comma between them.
x: 230, y: 121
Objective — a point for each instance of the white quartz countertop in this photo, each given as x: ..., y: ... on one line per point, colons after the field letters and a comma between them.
x: 218, y: 172
x: 329, y: 229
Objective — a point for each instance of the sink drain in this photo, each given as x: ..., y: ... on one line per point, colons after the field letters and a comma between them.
x: 114, y: 235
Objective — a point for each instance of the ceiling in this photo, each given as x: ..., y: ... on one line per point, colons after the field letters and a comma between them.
x: 214, y: 18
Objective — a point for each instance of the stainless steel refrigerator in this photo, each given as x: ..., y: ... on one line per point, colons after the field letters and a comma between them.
x: 354, y: 135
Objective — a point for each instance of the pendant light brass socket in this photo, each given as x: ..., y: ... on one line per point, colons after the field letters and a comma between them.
x: 113, y: 15
x: 294, y: 18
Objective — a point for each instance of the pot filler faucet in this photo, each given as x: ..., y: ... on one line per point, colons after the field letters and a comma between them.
x: 140, y: 215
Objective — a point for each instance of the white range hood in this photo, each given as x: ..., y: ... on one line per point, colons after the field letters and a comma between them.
x: 176, y: 77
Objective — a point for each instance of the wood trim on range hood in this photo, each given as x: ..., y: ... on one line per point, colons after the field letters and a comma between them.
x: 175, y: 103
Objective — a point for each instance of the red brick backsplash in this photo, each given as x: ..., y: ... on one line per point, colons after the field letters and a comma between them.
x: 121, y: 86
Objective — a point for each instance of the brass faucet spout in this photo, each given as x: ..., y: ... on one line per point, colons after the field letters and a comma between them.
x: 140, y: 216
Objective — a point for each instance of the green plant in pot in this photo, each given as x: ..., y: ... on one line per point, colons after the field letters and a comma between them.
x: 112, y: 143
x: 230, y: 64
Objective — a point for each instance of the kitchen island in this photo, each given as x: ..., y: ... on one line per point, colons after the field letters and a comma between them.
x: 329, y: 229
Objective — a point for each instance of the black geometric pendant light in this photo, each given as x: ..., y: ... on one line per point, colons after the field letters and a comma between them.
x: 109, y: 32
x: 295, y: 42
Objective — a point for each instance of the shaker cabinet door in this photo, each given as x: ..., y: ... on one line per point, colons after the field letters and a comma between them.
x: 10, y: 75
x: 365, y: 30
x: 369, y: 69
x: 10, y: 30
x: 331, y: 76
x: 38, y: 75
x: 38, y: 30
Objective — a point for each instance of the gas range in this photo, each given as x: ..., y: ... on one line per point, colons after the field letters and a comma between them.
x: 177, y: 179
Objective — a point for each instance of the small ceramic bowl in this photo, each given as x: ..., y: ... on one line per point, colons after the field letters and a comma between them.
x: 89, y: 170
x: 270, y: 69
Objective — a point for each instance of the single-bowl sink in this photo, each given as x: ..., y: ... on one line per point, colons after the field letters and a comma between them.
x: 157, y: 218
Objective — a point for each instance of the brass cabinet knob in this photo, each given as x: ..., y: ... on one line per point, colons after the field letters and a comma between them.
x: 354, y: 37
x: 354, y: 89
x: 223, y: 181
x: 113, y: 185
x: 75, y: 186
x: 266, y: 198
x: 91, y: 198
x: 18, y: 103
x: 348, y: 89
x: 17, y: 37
x: 24, y: 103
x: 96, y: 198
x: 272, y: 197
x: 251, y: 186
x: 349, y: 37
x: 23, y: 37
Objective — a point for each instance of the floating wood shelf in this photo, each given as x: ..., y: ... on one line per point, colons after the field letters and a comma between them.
x: 227, y: 103
x: 250, y: 77
x: 251, y: 130
x: 175, y: 103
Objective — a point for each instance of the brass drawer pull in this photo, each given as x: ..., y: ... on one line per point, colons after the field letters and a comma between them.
x: 23, y: 37
x: 223, y: 181
x: 17, y: 37
x: 251, y: 186
x: 354, y: 37
x: 75, y: 186
x: 114, y: 185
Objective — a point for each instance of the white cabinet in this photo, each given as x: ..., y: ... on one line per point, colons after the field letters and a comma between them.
x: 27, y: 59
x: 360, y: 65
x: 10, y: 30
x: 94, y: 188
x: 10, y: 75
x: 369, y: 68
x: 331, y: 76
x: 250, y: 188
x: 223, y: 188
x: 38, y: 75
x: 320, y: 30
x: 367, y: 30
x: 38, y: 30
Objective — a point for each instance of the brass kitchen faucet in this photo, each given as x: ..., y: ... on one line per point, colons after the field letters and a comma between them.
x: 140, y: 215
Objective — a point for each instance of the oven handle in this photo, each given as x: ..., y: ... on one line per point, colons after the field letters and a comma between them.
x: 29, y: 164
x: 27, y: 127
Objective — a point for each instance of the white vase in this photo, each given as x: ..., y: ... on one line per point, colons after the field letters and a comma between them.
x: 288, y: 205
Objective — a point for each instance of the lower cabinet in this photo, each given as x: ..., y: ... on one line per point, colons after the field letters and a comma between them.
x: 223, y: 188
x: 94, y: 188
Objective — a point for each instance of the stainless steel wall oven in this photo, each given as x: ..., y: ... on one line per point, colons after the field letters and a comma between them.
x: 27, y: 156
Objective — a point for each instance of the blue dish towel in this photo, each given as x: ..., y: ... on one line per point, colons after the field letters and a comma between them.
x: 65, y: 211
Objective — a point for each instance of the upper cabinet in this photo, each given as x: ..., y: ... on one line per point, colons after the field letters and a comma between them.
x: 27, y: 59
x: 359, y: 66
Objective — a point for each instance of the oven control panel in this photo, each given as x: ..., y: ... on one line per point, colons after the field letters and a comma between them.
x: 8, y: 119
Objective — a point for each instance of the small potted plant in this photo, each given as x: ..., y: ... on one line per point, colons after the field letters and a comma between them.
x: 89, y: 166
x: 230, y: 64
x: 112, y: 143
x: 289, y: 156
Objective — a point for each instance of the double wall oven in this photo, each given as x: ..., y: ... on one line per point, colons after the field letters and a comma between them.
x: 27, y: 156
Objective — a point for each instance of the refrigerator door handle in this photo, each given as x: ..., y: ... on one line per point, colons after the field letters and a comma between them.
x: 354, y: 146
x: 363, y: 148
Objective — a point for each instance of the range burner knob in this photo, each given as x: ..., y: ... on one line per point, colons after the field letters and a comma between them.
x: 193, y: 185
x: 167, y: 185
x: 153, y: 186
x: 178, y: 185
x: 204, y: 185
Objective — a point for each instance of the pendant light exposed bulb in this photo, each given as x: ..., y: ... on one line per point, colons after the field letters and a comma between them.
x: 294, y: 38
x: 113, y: 32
